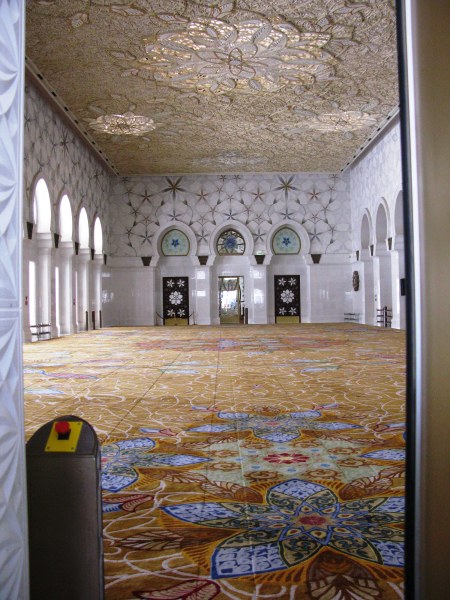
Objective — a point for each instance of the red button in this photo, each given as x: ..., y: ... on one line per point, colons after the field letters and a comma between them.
x: 62, y: 427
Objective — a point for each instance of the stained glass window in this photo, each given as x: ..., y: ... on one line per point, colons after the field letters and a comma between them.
x: 286, y: 241
x: 175, y: 243
x: 230, y: 242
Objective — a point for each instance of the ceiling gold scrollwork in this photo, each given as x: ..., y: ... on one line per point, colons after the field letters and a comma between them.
x: 190, y: 86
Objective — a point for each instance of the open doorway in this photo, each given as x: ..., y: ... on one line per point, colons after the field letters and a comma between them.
x: 231, y: 295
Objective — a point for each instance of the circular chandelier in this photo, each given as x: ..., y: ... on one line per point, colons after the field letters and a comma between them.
x: 126, y: 124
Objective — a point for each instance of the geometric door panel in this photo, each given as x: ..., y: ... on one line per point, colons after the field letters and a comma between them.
x: 176, y: 300
x: 287, y: 298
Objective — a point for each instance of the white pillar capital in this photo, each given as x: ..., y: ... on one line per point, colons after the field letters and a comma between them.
x: 66, y: 248
x: 44, y: 242
x: 84, y: 255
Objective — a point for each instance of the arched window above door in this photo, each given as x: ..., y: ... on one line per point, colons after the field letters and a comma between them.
x: 286, y: 241
x: 175, y: 243
x: 229, y: 242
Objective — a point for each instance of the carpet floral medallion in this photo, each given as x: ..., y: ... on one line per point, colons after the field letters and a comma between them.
x: 239, y: 462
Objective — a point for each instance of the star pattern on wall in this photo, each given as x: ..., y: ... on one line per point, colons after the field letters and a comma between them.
x: 318, y: 202
x: 53, y: 151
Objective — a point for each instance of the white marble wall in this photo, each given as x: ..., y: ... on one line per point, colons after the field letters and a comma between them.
x: 316, y: 205
x: 141, y: 206
x: 13, y: 519
x: 375, y: 177
x: 132, y: 293
x: 55, y: 153
x: 376, y: 180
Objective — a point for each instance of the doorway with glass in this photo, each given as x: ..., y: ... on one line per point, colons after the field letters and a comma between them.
x: 231, y: 300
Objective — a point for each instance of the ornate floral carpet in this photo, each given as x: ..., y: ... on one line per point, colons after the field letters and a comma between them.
x: 242, y: 462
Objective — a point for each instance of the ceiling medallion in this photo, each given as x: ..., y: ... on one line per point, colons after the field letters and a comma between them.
x: 126, y: 124
x: 211, y: 54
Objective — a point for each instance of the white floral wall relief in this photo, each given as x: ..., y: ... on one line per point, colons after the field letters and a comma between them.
x: 13, y: 556
x: 52, y: 150
x: 141, y: 206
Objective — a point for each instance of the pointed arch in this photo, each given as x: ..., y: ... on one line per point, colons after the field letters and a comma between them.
x: 305, y: 243
x: 382, y: 223
x: 163, y: 231
x: 65, y: 219
x: 42, y: 208
x: 83, y: 229
x: 98, y: 236
x: 241, y: 229
x: 366, y: 231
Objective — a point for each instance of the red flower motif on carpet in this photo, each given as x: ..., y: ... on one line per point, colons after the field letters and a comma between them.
x: 286, y: 458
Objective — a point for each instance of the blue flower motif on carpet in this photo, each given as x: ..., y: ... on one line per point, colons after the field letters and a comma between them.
x: 44, y: 391
x: 298, y: 520
x: 279, y: 428
x: 392, y: 454
x: 120, y: 459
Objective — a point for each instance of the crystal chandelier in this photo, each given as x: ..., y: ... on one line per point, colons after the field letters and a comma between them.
x: 126, y: 124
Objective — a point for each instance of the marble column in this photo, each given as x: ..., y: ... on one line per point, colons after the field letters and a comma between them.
x: 202, y: 307
x: 65, y: 287
x: 96, y: 288
x: 43, y: 277
x: 82, y: 298
x: 370, y: 286
x: 385, y: 266
x: 256, y: 298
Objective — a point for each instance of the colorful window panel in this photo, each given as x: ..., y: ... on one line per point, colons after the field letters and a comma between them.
x: 286, y: 241
x: 175, y: 243
x: 230, y: 242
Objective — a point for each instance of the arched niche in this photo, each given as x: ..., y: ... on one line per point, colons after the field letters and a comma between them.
x: 286, y: 241
x: 83, y: 229
x: 240, y: 229
x: 398, y: 216
x: 98, y: 236
x: 175, y: 243
x: 299, y: 230
x: 42, y: 208
x: 366, y: 232
x: 230, y: 243
x: 65, y: 219
x: 164, y: 233
x: 381, y: 225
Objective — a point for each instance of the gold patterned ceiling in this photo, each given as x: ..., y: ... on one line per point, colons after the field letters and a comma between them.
x: 198, y: 86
